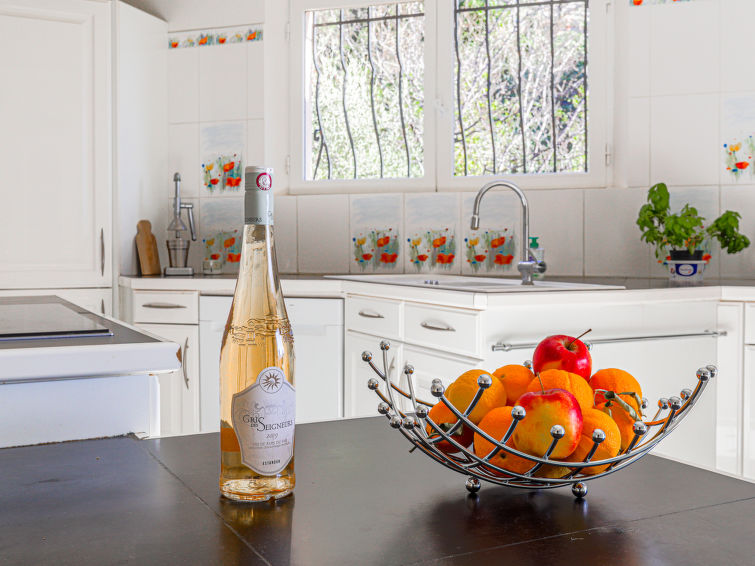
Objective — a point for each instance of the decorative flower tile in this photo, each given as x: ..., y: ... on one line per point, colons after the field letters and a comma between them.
x: 221, y: 229
x: 493, y: 249
x: 221, y: 151
x: 375, y: 233
x: 214, y: 37
x: 738, y: 131
x: 653, y: 2
x: 431, y: 227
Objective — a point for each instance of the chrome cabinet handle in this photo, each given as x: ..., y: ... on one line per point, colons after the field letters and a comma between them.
x: 370, y: 314
x: 102, y: 306
x: 163, y: 306
x: 183, y: 363
x: 507, y: 347
x: 102, y: 252
x: 435, y: 326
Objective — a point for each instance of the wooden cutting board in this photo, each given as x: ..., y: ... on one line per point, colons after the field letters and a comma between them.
x: 146, y: 249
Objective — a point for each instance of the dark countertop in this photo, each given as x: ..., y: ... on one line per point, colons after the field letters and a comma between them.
x: 360, y: 499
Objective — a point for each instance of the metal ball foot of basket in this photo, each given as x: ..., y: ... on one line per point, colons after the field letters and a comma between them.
x: 409, y: 416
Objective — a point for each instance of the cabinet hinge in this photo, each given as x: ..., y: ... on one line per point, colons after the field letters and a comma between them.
x: 609, y: 155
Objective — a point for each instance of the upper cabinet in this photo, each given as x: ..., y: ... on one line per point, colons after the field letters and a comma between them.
x: 55, y: 144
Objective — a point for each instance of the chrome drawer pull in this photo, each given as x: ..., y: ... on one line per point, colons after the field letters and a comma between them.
x: 370, y: 314
x: 183, y: 363
x: 507, y: 347
x: 434, y: 326
x: 163, y: 306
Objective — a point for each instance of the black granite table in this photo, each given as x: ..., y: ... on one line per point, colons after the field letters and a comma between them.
x: 360, y: 499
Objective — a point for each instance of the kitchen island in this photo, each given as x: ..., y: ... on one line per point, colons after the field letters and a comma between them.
x: 67, y: 373
x: 360, y: 499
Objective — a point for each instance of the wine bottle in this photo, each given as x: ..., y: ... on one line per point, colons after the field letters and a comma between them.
x: 257, y: 397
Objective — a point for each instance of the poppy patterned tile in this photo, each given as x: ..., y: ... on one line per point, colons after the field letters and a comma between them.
x: 375, y: 225
x: 221, y: 149
x: 431, y: 229
x: 221, y: 222
x: 493, y: 248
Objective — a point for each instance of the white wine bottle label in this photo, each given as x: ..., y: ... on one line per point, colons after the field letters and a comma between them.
x: 263, y: 417
x: 258, y: 196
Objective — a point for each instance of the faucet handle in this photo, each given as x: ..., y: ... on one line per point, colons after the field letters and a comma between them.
x: 190, y: 213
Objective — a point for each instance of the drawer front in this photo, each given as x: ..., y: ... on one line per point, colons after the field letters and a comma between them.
x: 170, y: 307
x: 373, y: 316
x: 444, y: 329
x: 750, y: 323
x: 429, y: 365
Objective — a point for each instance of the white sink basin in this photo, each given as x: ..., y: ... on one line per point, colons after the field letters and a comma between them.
x: 472, y: 284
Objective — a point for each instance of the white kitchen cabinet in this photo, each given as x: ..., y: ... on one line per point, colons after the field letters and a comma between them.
x: 179, y: 390
x: 55, y: 144
x: 360, y: 401
x: 748, y: 455
x: 317, y: 325
x: 432, y: 364
x: 729, y: 387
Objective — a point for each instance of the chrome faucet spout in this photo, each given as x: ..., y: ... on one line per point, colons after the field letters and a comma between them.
x: 528, y: 265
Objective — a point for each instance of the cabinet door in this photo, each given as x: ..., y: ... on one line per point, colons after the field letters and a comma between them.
x: 748, y: 459
x: 360, y: 401
x: 431, y: 364
x: 55, y: 149
x: 179, y: 390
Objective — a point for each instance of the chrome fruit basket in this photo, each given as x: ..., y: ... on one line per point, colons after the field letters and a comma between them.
x: 412, y: 420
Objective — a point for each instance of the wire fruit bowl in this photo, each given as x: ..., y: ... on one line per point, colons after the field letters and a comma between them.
x: 414, y: 422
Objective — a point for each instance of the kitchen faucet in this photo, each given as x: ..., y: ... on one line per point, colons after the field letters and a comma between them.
x: 178, y: 248
x: 528, y: 265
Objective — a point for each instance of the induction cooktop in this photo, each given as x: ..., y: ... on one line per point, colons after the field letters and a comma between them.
x: 32, y: 319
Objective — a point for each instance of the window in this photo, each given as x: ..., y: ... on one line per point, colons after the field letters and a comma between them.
x: 441, y: 94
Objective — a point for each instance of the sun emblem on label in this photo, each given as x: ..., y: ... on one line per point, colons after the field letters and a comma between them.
x: 271, y: 379
x: 264, y: 181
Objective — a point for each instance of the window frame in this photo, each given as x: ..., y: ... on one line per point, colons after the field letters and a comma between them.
x: 439, y: 115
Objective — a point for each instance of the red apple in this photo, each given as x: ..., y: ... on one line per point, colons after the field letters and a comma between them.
x: 544, y: 410
x: 562, y: 352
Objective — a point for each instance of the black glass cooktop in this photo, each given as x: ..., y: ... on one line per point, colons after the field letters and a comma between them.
x: 31, y: 319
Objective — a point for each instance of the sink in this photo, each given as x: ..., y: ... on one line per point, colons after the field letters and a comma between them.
x: 472, y: 284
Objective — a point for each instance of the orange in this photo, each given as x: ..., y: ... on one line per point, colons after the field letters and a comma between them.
x: 571, y: 382
x: 444, y: 418
x: 496, y: 423
x: 461, y: 392
x: 592, y: 419
x: 619, y: 381
x: 515, y: 379
x: 623, y: 420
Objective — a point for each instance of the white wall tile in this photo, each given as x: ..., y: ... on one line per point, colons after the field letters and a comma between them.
x: 255, y: 99
x: 736, y: 24
x: 742, y: 200
x: 431, y: 233
x: 612, y: 239
x: 737, y: 143
x: 637, y: 52
x: 500, y: 219
x: 375, y: 233
x: 684, y: 48
x: 684, y: 137
x: 286, y: 233
x: 222, y: 82
x: 183, y: 157
x: 323, y: 233
x: 557, y: 218
x: 637, y: 149
x: 255, y: 144
x: 183, y: 85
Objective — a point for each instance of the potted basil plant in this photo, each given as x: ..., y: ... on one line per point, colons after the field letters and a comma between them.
x: 679, y: 237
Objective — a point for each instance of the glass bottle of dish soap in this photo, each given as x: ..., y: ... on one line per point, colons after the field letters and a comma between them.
x: 538, y: 254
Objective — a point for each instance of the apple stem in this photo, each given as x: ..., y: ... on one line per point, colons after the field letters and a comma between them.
x: 578, y: 337
x: 542, y: 389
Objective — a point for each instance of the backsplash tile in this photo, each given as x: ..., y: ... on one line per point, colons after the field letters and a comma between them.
x: 221, y: 230
x: 431, y: 230
x: 255, y: 100
x: 612, y: 239
x: 742, y: 200
x: 183, y: 156
x: 220, y: 36
x: 222, y: 83
x: 557, y: 219
x: 221, y: 148
x: 494, y: 248
x: 255, y: 143
x: 375, y: 233
x: 183, y: 86
x: 323, y: 233
x: 737, y: 138
x: 286, y: 233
